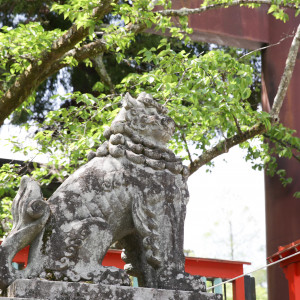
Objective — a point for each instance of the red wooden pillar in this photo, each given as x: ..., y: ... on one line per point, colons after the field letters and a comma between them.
x: 246, y: 28
x: 238, y: 288
x: 292, y: 273
x: 282, y: 209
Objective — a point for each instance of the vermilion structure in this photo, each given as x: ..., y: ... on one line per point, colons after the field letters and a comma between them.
x: 253, y: 29
x: 290, y: 263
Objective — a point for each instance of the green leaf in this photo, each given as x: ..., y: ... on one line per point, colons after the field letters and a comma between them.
x: 297, y: 195
x: 246, y: 93
x: 273, y: 8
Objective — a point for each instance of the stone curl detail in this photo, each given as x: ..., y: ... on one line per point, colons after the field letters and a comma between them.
x: 36, y: 208
x: 157, y: 158
x: 30, y: 214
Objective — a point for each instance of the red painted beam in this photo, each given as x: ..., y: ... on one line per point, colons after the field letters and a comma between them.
x: 211, y: 268
x: 22, y: 256
x: 215, y: 268
x: 234, y: 26
x: 292, y: 273
x: 113, y: 259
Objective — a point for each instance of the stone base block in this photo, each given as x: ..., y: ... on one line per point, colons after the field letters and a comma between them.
x: 56, y: 290
x: 13, y: 298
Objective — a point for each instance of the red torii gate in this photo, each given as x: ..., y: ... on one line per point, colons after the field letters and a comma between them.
x: 252, y: 29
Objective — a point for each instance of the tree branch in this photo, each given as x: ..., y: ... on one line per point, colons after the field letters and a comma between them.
x: 268, y: 46
x: 40, y: 69
x: 191, y: 11
x: 187, y: 148
x: 53, y: 60
x: 90, y: 50
x: 260, y: 128
x: 101, y: 70
x: 237, y: 124
x: 286, y: 77
x: 284, y: 144
x: 74, y: 35
x: 220, y: 148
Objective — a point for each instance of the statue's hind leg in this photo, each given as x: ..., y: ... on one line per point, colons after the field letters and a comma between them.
x: 159, y: 222
x: 136, y: 262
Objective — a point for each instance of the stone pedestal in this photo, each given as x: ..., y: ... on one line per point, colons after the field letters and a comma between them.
x: 133, y: 190
x: 13, y: 298
x: 55, y: 290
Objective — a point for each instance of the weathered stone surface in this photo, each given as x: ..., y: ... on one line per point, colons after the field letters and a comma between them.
x: 30, y: 214
x: 14, y: 298
x: 133, y: 191
x: 52, y: 290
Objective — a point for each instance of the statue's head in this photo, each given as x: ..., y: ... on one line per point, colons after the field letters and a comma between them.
x: 147, y: 118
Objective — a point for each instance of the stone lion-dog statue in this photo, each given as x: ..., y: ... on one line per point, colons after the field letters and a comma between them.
x: 132, y: 191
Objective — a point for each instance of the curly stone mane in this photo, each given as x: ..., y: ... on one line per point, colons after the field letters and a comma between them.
x: 131, y: 135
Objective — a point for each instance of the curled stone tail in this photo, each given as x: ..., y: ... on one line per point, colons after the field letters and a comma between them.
x: 30, y: 214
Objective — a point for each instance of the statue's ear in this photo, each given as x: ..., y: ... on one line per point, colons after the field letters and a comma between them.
x: 128, y: 101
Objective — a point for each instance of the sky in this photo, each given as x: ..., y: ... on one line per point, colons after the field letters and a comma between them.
x: 227, y: 201
x: 9, y: 131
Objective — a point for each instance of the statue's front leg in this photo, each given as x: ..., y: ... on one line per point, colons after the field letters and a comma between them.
x: 172, y: 275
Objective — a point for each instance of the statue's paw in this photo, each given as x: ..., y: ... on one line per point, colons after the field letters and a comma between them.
x: 181, y: 281
x: 190, y: 282
x: 131, y: 270
x: 112, y: 276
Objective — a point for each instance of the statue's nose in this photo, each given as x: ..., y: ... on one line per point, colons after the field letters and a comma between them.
x: 154, y: 120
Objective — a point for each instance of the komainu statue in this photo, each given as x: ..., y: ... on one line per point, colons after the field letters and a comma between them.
x: 132, y: 191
